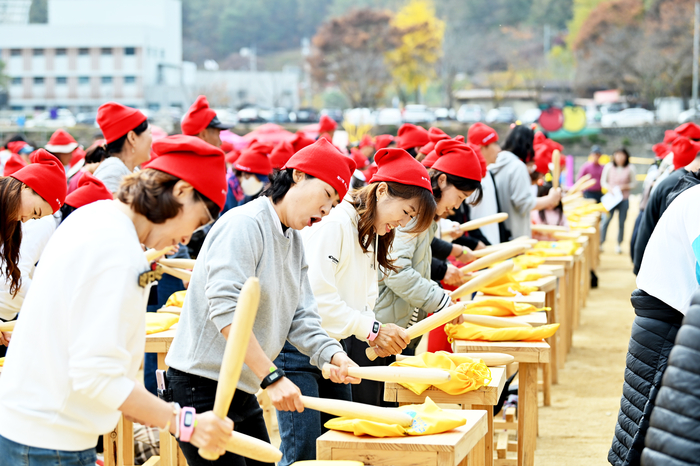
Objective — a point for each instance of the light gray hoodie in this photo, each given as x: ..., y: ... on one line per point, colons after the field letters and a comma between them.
x: 514, y: 193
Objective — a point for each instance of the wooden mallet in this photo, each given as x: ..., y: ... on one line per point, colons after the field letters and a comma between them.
x: 494, y: 257
x: 358, y: 410
x: 452, y: 312
x: 493, y: 322
x: 230, y: 372
x: 184, y: 275
x: 395, y: 374
x: 490, y: 359
x: 542, y: 228
x: 7, y: 326
x: 152, y: 254
x: 187, y: 264
x: 478, y: 223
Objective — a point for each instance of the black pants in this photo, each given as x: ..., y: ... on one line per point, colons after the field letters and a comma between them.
x: 245, y: 411
x: 367, y: 391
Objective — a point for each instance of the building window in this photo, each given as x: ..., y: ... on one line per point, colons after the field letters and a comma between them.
x: 15, y: 52
x: 60, y: 52
x: 84, y: 80
x: 129, y: 79
x: 129, y: 50
x: 38, y: 52
x: 61, y: 80
x: 106, y: 80
x: 38, y: 80
x: 16, y: 108
x: 83, y: 51
x: 106, y: 51
x: 16, y: 81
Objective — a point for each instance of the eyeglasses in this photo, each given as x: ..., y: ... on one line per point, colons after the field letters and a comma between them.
x: 210, y: 222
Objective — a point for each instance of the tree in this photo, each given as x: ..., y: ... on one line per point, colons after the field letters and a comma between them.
x: 39, y: 11
x: 413, y: 63
x: 349, y: 53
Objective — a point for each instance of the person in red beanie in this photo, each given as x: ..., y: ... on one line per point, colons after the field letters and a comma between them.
x: 361, y: 162
x: 300, y: 141
x: 411, y: 138
x: 127, y: 143
x: 62, y: 144
x: 435, y: 135
x: 202, y: 122
x: 383, y: 141
x: 282, y: 152
x: 81, y: 385
x: 326, y: 127
x: 689, y: 130
x: 366, y: 147
x: 90, y: 190
x: 34, y: 191
x: 13, y: 164
x: 261, y: 239
x: 253, y: 169
x: 344, y: 252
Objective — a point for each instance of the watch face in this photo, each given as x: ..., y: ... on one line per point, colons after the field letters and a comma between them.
x: 375, y: 328
x: 189, y: 418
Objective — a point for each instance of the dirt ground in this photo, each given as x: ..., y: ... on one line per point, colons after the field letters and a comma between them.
x: 578, y: 428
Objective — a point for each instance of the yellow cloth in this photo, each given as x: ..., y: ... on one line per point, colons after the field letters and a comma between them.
x: 176, y: 299
x: 507, y: 289
x: 465, y: 376
x: 327, y: 463
x: 428, y: 419
x: 500, y: 308
x: 467, y: 331
x: 160, y: 321
x: 567, y: 247
x: 526, y: 276
x: 2, y: 362
x: 528, y: 262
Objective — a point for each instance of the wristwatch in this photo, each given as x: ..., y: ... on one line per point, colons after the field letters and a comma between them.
x: 186, y: 423
x: 271, y: 378
x: 374, y: 332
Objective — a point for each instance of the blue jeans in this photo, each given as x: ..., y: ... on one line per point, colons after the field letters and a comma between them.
x: 299, y: 431
x: 16, y: 454
x: 621, y: 209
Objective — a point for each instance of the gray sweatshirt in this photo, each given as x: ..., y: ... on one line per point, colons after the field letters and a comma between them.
x: 248, y: 241
x: 515, y: 196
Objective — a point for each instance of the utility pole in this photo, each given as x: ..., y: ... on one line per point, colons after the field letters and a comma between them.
x: 696, y: 47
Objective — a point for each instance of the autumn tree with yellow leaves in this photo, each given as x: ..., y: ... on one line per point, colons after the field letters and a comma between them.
x: 413, y: 63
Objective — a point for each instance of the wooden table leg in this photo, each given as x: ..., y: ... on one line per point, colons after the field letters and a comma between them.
x: 119, y: 444
x: 547, y: 382
x: 550, y: 301
x: 527, y: 414
x: 562, y: 314
x: 488, y: 440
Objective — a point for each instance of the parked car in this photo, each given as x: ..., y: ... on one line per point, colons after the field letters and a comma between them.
x: 469, y: 113
x: 86, y: 118
x: 418, y: 114
x: 628, y: 117
x: 57, y: 118
x: 226, y: 116
x: 335, y: 113
x: 281, y: 115
x: 686, y: 116
x: 388, y: 117
x: 254, y: 115
x: 306, y: 115
x: 501, y: 115
x: 444, y: 113
x: 530, y: 116
x: 358, y: 116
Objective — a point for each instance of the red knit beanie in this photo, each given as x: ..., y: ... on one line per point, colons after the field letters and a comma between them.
x: 366, y: 141
x: 325, y: 162
x: 689, y: 130
x: 197, y: 117
x: 481, y: 135
x: 61, y: 142
x: 670, y: 136
x: 435, y: 135
x: 457, y: 159
x: 326, y: 124
x: 13, y: 164
x: 300, y: 141
x: 370, y: 171
x: 684, y: 151
x: 281, y: 153
x: 232, y: 156
x: 412, y: 136
x: 254, y: 159
x: 397, y: 165
x: 382, y: 141
x: 89, y: 190
x: 430, y: 159
x: 46, y: 176
x: 543, y: 157
x: 661, y: 150
x: 195, y: 161
x: 360, y: 160
x: 115, y: 120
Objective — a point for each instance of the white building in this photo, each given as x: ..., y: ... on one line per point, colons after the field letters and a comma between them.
x: 93, y: 51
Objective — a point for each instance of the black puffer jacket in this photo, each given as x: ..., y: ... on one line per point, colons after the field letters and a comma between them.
x: 673, y: 438
x: 653, y: 333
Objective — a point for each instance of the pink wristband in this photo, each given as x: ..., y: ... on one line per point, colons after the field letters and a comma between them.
x: 374, y: 331
x: 187, y: 423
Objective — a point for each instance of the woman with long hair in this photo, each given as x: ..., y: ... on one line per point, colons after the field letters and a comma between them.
x: 619, y: 173
x: 127, y: 143
x: 345, y: 251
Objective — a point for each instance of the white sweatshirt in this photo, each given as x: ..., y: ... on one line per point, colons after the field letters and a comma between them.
x: 35, y: 236
x: 342, y: 277
x: 78, y: 345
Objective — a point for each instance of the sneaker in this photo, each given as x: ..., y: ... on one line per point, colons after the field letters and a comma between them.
x: 618, y: 249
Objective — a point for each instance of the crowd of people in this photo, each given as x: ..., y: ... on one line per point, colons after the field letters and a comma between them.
x: 347, y: 243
